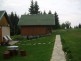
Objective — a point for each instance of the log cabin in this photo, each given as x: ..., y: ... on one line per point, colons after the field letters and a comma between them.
x: 36, y: 25
x: 4, y: 25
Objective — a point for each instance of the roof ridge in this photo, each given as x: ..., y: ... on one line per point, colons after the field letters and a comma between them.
x: 36, y: 14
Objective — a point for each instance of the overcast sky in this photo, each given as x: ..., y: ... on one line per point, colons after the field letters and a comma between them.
x: 68, y: 10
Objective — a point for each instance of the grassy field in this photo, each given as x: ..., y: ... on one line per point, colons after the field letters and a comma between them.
x: 71, y: 40
x: 35, y: 50
x: 72, y: 43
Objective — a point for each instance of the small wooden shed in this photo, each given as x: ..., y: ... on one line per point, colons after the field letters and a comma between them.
x: 34, y: 25
x: 4, y: 25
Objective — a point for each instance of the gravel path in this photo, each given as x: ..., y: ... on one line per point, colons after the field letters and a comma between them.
x: 58, y: 54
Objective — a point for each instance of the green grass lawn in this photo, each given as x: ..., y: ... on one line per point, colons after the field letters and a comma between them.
x: 37, y: 52
x: 72, y: 42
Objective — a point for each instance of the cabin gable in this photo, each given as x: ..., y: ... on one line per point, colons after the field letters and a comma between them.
x: 3, y: 21
x: 4, y: 25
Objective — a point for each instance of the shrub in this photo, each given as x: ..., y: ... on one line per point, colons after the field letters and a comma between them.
x: 17, y: 37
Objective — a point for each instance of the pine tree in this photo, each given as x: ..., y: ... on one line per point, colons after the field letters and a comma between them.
x: 36, y: 8
x: 44, y: 12
x: 49, y: 12
x: 31, y: 9
x: 57, y: 25
x: 11, y: 17
x: 14, y: 29
x: 79, y: 26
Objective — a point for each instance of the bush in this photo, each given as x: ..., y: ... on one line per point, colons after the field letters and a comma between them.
x: 17, y: 37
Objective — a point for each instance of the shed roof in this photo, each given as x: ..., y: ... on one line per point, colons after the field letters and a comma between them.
x: 1, y: 14
x: 37, y: 20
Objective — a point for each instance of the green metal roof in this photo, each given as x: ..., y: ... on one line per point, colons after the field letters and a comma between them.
x: 37, y: 20
x: 1, y: 14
